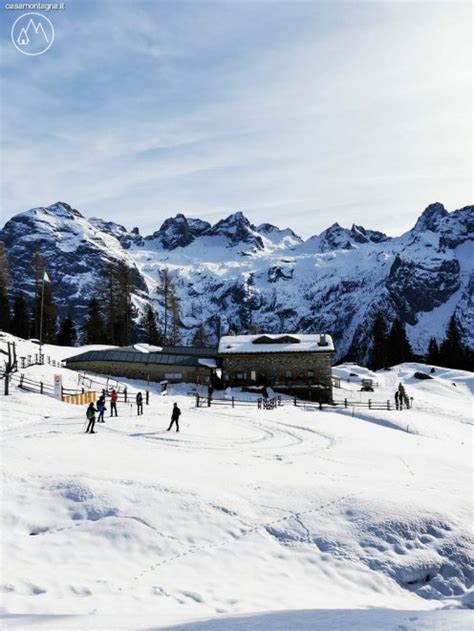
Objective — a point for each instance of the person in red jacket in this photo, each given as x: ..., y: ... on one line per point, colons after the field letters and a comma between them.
x: 113, y: 403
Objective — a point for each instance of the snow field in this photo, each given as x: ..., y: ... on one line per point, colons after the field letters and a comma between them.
x: 244, y: 510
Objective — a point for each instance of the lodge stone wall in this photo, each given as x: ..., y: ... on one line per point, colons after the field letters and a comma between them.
x: 278, y: 368
x: 154, y: 372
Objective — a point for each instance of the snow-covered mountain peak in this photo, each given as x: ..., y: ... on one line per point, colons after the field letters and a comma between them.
x: 178, y: 231
x: 237, y: 229
x: 61, y: 209
x: 285, y: 237
x: 118, y: 231
x: 431, y: 218
x: 264, y: 276
x: 333, y: 238
x: 360, y: 235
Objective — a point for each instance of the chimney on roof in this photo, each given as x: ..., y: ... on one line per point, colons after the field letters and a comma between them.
x: 322, y: 340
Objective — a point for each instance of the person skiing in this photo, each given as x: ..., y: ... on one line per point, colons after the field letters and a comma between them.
x: 101, y: 409
x: 91, y: 416
x: 113, y: 403
x: 139, y: 400
x: 175, y: 417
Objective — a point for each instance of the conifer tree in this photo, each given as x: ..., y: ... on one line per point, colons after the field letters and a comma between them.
x: 175, y: 318
x: 398, y: 347
x: 149, y: 324
x: 200, y: 337
x: 170, y: 301
x: 165, y: 289
x: 20, y: 323
x: 118, y: 306
x: 379, y: 337
x: 49, y: 315
x: 44, y: 301
x: 432, y: 356
x: 93, y: 328
x: 67, y: 334
x: 38, y: 267
x: 5, y: 321
x: 452, y: 353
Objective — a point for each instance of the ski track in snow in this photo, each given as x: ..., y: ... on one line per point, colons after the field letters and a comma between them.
x: 245, y: 533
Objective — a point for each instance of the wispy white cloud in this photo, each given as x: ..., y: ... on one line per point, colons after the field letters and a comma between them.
x: 300, y: 114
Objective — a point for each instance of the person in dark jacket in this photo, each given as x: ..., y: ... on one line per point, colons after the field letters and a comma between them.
x: 397, y: 400
x: 139, y: 400
x: 175, y: 417
x: 101, y: 409
x: 91, y: 416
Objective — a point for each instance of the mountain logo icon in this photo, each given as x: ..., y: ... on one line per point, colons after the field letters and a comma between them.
x: 32, y: 34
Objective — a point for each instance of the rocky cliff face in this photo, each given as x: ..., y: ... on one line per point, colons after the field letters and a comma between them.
x: 76, y: 252
x: 237, y: 275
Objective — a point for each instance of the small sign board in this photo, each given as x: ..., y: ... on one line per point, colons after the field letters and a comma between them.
x: 58, y: 387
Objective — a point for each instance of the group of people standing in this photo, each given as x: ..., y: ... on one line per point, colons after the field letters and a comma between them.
x: 100, y: 408
x: 401, y: 398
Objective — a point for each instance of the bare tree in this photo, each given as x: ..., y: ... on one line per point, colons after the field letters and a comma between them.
x: 10, y: 364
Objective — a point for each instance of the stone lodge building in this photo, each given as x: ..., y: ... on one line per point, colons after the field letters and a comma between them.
x: 295, y: 364
x: 174, y: 364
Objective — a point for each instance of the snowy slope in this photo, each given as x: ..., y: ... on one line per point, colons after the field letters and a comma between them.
x: 244, y: 510
x: 238, y: 275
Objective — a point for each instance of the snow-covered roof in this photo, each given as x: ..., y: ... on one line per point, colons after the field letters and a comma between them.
x: 276, y: 343
x: 147, y: 348
x: 209, y: 362
x: 177, y: 355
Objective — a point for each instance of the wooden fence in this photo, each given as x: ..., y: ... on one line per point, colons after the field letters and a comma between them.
x: 274, y: 402
x: 38, y: 359
x: 80, y: 399
x: 41, y: 387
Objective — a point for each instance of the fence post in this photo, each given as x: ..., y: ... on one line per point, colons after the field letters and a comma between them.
x: 197, y: 399
x: 388, y: 405
x: 22, y: 376
x: 279, y: 400
x: 22, y: 362
x: 320, y: 405
x: 259, y: 403
x: 370, y: 404
x: 294, y: 401
x: 41, y: 387
x: 233, y: 405
x: 147, y: 397
x: 82, y: 390
x: 345, y: 403
x: 125, y: 394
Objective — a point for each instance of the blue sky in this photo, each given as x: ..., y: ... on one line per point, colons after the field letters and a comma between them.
x: 296, y: 113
